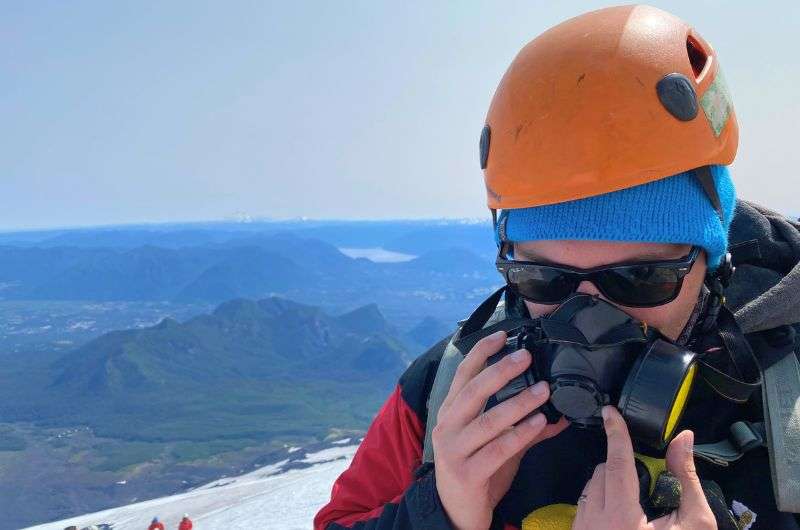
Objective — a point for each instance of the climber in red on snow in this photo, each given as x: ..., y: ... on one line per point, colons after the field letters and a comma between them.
x: 155, y: 524
x: 186, y: 523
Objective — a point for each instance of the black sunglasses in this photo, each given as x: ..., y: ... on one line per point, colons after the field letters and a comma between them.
x: 633, y: 284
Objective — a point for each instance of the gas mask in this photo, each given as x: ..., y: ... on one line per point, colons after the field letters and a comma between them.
x: 593, y: 354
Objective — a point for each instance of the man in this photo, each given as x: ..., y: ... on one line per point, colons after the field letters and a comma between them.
x: 605, y: 149
x: 186, y: 523
x: 155, y: 524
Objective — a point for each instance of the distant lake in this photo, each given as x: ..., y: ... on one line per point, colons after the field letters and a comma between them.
x: 377, y: 254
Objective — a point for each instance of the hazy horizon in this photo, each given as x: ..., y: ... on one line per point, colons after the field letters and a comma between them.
x: 256, y: 220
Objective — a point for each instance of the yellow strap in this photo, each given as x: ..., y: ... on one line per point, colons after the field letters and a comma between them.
x: 655, y: 466
x: 551, y: 517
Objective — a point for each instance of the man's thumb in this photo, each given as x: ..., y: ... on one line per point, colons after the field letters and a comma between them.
x: 680, y: 462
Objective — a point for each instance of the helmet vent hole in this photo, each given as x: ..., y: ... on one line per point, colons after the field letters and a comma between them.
x: 697, y: 57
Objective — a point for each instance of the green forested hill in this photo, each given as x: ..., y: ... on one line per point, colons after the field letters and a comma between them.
x: 251, y: 369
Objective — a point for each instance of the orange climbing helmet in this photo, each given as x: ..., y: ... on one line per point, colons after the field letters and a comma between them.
x: 605, y: 101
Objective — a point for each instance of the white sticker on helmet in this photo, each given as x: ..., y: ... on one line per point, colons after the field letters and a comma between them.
x: 717, y: 104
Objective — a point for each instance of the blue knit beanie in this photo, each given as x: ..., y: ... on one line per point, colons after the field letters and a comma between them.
x: 670, y: 210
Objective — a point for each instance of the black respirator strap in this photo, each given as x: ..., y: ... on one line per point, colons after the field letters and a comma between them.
x: 744, y: 437
x: 510, y: 325
x: 738, y: 347
x: 482, y: 314
x: 737, y: 389
x: 728, y: 387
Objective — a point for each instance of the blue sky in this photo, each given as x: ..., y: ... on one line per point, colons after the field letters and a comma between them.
x: 118, y: 112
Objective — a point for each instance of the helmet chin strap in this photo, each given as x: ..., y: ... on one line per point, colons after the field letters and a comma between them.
x: 716, y: 282
x: 706, y: 180
x: 499, y: 230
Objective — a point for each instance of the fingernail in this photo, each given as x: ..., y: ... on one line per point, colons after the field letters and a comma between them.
x: 539, y: 389
x: 497, y: 334
x: 536, y: 420
x: 519, y: 356
x: 605, y: 413
x: 689, y: 443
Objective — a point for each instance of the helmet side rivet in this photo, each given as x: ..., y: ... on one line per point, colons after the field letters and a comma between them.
x: 678, y: 96
x: 486, y: 136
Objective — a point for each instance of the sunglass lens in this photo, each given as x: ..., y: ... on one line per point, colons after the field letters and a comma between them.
x: 541, y: 284
x: 640, y: 286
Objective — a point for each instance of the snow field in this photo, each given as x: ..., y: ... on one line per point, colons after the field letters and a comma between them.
x: 267, y: 498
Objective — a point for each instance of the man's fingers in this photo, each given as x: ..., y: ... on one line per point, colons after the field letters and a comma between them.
x: 487, y: 426
x: 488, y: 459
x: 552, y: 429
x: 622, y: 483
x: 595, y: 489
x: 591, y: 500
x: 474, y: 362
x: 469, y: 402
x: 680, y: 462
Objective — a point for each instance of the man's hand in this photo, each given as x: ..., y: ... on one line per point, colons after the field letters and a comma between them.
x: 610, y: 499
x: 478, y: 453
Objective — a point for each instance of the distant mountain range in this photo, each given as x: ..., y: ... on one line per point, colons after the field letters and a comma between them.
x: 159, y: 272
x: 444, y: 282
x: 211, y: 273
x: 409, y: 236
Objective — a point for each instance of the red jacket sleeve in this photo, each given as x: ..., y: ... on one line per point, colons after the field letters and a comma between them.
x: 386, y: 487
x: 382, y: 468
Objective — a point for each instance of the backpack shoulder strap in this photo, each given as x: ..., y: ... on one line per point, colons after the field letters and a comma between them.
x: 780, y: 431
x: 441, y: 385
x: 781, y: 401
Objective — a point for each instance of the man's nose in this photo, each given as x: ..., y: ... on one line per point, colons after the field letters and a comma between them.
x: 587, y: 287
